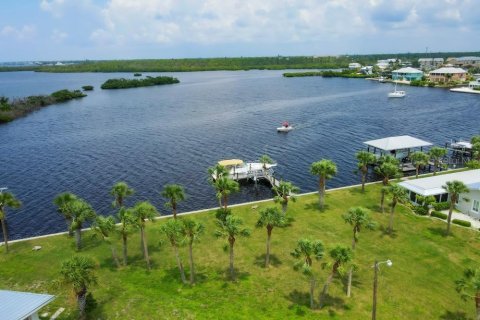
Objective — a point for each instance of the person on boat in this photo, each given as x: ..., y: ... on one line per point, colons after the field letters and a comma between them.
x: 286, y: 124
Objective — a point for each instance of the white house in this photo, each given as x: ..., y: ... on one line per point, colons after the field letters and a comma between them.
x: 468, y: 203
x: 354, y: 65
x: 15, y: 305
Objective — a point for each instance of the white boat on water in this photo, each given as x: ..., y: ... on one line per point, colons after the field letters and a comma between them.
x: 286, y: 127
x: 238, y: 169
x: 396, y: 94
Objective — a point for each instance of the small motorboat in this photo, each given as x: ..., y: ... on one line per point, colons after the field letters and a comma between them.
x: 396, y: 94
x: 286, y: 127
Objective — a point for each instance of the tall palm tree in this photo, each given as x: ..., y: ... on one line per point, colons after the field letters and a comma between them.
x: 106, y: 228
x: 64, y: 202
x: 172, y: 230
x: 216, y: 172
x: 174, y: 193
x: 469, y: 287
x: 419, y: 159
x: 358, y: 218
x: 127, y: 224
x: 78, y: 271
x: 325, y: 169
x: 436, y: 154
x: 120, y: 191
x: 305, y: 251
x: 7, y: 200
x: 231, y: 228
x: 398, y: 194
x: 143, y: 211
x: 340, y: 256
x: 81, y: 212
x: 454, y: 189
x: 387, y: 170
x: 191, y: 230
x: 264, y: 160
x: 365, y: 159
x: 226, y: 186
x: 270, y: 218
x: 285, y: 191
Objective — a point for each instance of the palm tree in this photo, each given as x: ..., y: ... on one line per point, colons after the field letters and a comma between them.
x: 285, y: 191
x: 264, y: 160
x: 143, y: 211
x: 174, y: 193
x: 225, y: 186
x: 270, y: 218
x: 365, y: 159
x: 78, y: 271
x: 324, y: 169
x: 475, y: 141
x: 341, y: 256
x: 64, y: 201
x: 81, y: 212
x: 387, y: 169
x: 127, y: 225
x: 399, y: 194
x: 216, y: 172
x: 105, y: 227
x: 358, y: 218
x: 305, y: 252
x: 191, y: 231
x: 172, y: 230
x: 120, y: 191
x: 231, y: 228
x: 436, y: 154
x: 419, y: 159
x: 469, y: 287
x: 454, y: 189
x: 7, y: 200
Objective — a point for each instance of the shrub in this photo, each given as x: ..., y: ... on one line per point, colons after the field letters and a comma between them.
x: 441, y: 205
x: 438, y: 214
x: 420, y: 210
x: 473, y: 164
x: 135, y: 83
x: 462, y: 222
x: 87, y: 88
x: 65, y: 95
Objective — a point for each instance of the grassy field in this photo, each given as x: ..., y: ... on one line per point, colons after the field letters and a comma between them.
x: 419, y: 285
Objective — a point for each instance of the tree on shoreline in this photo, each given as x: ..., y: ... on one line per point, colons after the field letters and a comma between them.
x: 436, y: 154
x: 81, y: 212
x: 142, y: 212
x: 127, y: 225
x: 419, y: 159
x: 399, y: 194
x: 191, y: 230
x: 7, y: 199
x: 306, y: 251
x: 270, y: 218
x: 120, y: 191
x: 225, y: 186
x: 387, y: 169
x: 325, y: 169
x: 365, y: 159
x: 285, y: 192
x: 174, y: 193
x: 172, y: 230
x: 64, y: 203
x: 106, y: 228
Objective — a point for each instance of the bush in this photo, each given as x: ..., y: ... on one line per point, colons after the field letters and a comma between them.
x: 473, y: 164
x: 87, y: 88
x: 420, y: 210
x: 441, y: 205
x: 135, y: 83
x: 438, y: 214
x: 462, y: 222
x: 65, y: 95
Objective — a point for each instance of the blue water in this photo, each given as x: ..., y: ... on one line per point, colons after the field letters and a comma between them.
x: 149, y: 137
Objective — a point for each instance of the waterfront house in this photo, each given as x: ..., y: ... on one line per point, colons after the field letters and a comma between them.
x: 354, y: 65
x: 366, y: 70
x: 17, y: 305
x: 468, y: 203
x: 447, y: 74
x: 430, y: 63
x: 465, y: 61
x: 474, y: 84
x: 407, y: 73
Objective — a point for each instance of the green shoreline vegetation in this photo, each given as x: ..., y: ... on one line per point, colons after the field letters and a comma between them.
x: 11, y: 110
x: 426, y: 262
x: 328, y: 74
x: 136, y: 83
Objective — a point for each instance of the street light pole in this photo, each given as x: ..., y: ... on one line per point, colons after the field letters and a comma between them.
x: 375, y: 285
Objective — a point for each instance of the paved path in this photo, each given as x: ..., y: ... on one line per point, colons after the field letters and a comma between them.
x: 461, y: 216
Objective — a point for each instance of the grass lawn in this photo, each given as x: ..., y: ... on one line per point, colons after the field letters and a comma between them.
x: 419, y: 285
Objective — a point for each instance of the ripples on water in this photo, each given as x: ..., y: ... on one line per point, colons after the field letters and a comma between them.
x: 149, y: 137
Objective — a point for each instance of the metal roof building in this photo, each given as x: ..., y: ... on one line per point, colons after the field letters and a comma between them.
x: 397, y: 143
x: 15, y: 305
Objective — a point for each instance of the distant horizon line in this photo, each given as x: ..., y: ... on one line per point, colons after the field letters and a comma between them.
x: 233, y: 57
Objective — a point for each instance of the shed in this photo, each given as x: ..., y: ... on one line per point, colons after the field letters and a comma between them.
x: 15, y: 305
x: 396, y: 145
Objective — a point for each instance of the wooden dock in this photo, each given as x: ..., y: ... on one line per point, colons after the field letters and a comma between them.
x: 255, y: 175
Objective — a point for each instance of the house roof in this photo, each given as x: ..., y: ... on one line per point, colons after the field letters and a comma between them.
x: 448, y: 70
x: 431, y: 186
x: 468, y: 58
x: 397, y: 143
x: 20, y: 305
x: 407, y: 70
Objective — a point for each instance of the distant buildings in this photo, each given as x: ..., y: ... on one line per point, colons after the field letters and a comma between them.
x: 407, y: 73
x: 430, y: 63
x: 464, y: 61
x: 447, y: 74
x: 366, y: 70
x: 354, y: 65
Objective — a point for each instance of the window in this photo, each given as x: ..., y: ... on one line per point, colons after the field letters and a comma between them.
x: 476, y: 205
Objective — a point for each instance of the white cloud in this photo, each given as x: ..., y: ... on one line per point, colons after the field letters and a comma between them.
x: 53, y: 6
x: 22, y: 33
x: 58, y: 36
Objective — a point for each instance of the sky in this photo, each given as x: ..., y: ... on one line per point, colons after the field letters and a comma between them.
x: 36, y: 30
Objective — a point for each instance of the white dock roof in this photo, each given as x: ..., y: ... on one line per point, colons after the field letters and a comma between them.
x: 431, y: 186
x: 17, y: 305
x: 397, y: 143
